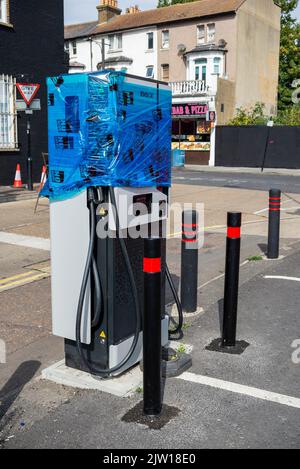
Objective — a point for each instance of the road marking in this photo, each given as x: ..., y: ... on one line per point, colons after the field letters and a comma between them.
x: 15, y: 277
x: 219, y: 276
x: 280, y: 277
x: 241, y: 389
x: 25, y: 241
x: 267, y: 209
x: 24, y: 281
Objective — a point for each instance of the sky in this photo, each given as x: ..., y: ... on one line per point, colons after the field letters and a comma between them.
x: 79, y: 11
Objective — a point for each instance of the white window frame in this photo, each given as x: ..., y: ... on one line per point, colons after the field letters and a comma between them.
x: 149, y: 67
x: 74, y: 48
x: 8, y: 114
x: 201, y: 38
x: 151, y: 34
x: 211, y: 32
x: 217, y: 62
x: 3, y: 11
x: 165, y: 39
x: 115, y: 42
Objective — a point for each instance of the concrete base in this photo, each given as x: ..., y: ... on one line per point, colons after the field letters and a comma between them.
x: 216, y: 346
x: 121, y: 386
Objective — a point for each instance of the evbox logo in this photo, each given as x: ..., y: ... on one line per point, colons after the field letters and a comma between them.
x: 2, y: 351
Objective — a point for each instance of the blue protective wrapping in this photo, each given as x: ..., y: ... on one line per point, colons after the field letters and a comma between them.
x: 107, y: 129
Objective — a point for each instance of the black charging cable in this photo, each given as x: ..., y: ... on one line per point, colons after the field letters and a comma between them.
x: 178, y: 329
x: 94, y: 369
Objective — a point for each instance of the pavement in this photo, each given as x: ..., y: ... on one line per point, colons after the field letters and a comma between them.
x: 224, y: 401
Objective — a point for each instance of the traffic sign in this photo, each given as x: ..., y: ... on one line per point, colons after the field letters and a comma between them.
x: 28, y: 91
x: 34, y: 106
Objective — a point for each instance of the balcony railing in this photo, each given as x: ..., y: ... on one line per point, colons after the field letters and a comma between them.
x: 189, y: 87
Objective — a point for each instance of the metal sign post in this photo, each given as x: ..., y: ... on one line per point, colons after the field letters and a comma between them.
x: 28, y: 93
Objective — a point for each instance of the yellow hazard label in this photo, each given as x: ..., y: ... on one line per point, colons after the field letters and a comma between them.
x: 102, y: 335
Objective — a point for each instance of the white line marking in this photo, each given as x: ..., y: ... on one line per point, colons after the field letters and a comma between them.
x: 267, y: 209
x: 281, y: 277
x: 26, y: 241
x: 241, y: 389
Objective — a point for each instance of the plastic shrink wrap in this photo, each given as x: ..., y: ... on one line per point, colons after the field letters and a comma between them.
x: 107, y: 129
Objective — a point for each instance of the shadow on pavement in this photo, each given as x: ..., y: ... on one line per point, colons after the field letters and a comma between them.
x: 14, y: 386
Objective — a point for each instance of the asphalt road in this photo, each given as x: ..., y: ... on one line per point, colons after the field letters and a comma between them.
x: 239, y: 180
x: 238, y: 410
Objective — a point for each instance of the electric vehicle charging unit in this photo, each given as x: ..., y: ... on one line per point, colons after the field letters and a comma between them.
x: 97, y: 274
x: 107, y: 344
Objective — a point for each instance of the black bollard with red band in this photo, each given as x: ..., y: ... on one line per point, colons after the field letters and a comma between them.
x: 152, y: 348
x: 274, y: 223
x: 189, y: 261
x: 233, y: 248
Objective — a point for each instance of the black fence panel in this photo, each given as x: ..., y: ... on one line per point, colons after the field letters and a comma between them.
x: 245, y: 146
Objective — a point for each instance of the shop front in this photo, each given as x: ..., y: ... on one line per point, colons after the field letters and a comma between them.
x: 192, y: 125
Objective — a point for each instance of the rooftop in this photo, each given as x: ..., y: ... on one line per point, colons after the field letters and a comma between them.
x: 179, y: 12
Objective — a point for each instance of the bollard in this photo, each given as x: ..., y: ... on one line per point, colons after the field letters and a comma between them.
x: 189, y: 261
x: 152, y: 349
x: 233, y: 247
x: 274, y: 223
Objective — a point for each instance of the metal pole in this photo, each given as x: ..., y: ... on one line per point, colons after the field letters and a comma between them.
x: 233, y: 248
x: 189, y: 261
x: 152, y: 349
x: 103, y: 53
x: 91, y: 53
x: 266, y: 149
x: 29, y: 159
x: 274, y: 223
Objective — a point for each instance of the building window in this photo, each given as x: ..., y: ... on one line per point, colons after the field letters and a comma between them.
x: 150, y: 71
x: 217, y: 65
x: 3, y: 11
x: 150, y: 40
x: 74, y: 47
x: 165, y: 72
x: 8, y: 115
x: 115, y: 42
x: 165, y: 39
x: 201, y: 69
x: 211, y: 32
x: 119, y: 40
x: 67, y: 47
x: 201, y: 34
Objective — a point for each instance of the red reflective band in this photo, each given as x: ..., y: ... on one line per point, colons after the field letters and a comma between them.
x: 275, y: 203
x: 190, y: 226
x: 190, y: 240
x: 275, y: 198
x: 152, y: 266
x: 274, y: 209
x: 233, y: 232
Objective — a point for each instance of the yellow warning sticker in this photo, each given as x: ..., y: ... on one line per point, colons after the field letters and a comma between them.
x: 102, y: 335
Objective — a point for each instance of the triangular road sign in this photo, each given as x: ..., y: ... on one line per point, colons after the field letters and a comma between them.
x: 28, y: 91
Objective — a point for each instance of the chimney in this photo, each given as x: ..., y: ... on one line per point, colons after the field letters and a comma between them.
x: 107, y: 10
x: 132, y: 10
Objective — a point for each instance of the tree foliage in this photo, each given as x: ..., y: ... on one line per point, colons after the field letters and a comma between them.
x: 167, y: 3
x: 289, y: 68
x: 256, y: 116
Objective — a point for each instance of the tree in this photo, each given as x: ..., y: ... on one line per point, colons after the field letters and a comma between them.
x: 289, y: 67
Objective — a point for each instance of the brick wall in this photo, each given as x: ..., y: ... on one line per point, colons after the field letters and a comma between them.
x: 31, y: 50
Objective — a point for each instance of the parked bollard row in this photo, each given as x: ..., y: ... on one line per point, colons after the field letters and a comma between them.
x: 274, y: 223
x: 189, y: 261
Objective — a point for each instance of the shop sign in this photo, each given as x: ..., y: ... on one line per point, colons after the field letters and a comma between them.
x: 188, y: 110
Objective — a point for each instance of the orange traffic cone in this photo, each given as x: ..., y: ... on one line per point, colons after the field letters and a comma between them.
x: 43, y: 177
x: 18, y: 179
